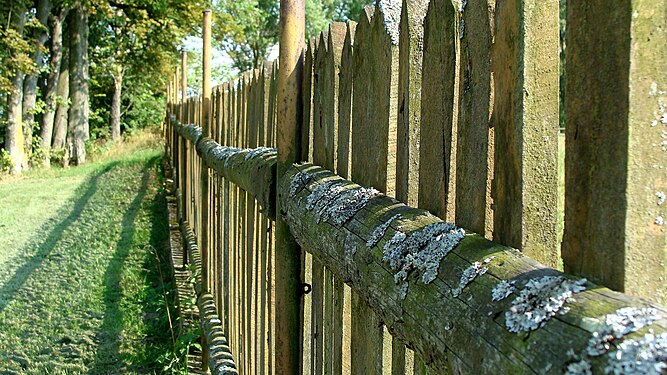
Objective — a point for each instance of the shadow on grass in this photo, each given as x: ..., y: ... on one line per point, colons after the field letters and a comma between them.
x: 160, y: 337
x: 108, y: 355
x: 112, y: 326
x: 85, y: 193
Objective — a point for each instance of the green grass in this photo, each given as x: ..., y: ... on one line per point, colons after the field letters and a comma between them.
x: 561, y: 194
x: 80, y: 281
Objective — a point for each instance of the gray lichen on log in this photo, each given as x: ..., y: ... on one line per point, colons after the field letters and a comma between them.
x: 335, y: 200
x: 380, y: 231
x: 502, y: 290
x: 582, y: 367
x: 619, y: 324
x: 298, y: 183
x: 470, y: 273
x: 645, y: 356
x: 422, y: 251
x: 466, y: 335
x: 540, y: 300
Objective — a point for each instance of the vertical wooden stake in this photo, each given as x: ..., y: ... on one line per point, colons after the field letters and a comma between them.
x: 615, y: 142
x: 204, y: 185
x: 525, y: 120
x: 206, y: 132
x: 184, y: 81
x: 288, y: 254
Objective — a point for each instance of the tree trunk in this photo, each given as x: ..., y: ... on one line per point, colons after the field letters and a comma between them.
x: 115, y: 104
x: 50, y: 91
x: 60, y: 121
x: 30, y: 83
x: 14, y: 132
x: 78, y: 84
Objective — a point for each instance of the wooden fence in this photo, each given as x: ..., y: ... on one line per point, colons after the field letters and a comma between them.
x: 454, y: 112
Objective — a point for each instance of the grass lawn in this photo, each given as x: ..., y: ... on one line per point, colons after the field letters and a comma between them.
x: 82, y: 256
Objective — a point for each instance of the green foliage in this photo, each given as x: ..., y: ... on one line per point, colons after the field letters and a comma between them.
x: 146, y: 108
x: 57, y: 155
x: 37, y: 154
x: 15, y: 48
x: 245, y: 29
x: 6, y: 162
x: 176, y: 360
x: 136, y: 45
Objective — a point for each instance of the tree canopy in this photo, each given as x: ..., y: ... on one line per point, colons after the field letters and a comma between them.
x: 77, y: 72
x: 246, y: 29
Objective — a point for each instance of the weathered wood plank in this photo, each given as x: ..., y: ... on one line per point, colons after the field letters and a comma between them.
x: 317, y: 319
x: 234, y: 311
x: 360, y: 98
x: 616, y: 143
x: 409, y: 99
x: 525, y: 119
x: 437, y: 103
x: 307, y: 98
x: 470, y: 332
x: 342, y: 296
x: 226, y: 254
x: 330, y: 85
x: 371, y: 169
x: 251, y: 257
x: 307, y: 356
x: 473, y: 195
x: 345, y: 102
x: 437, y: 113
x: 271, y: 136
x: 397, y: 355
x: 273, y: 98
x: 261, y: 271
x: 366, y: 338
x: 288, y: 266
x: 330, y: 70
x: 321, y: 157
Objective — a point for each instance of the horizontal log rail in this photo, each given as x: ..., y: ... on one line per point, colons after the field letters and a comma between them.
x: 463, y: 302
x: 220, y: 360
x: 460, y: 301
x: 253, y: 170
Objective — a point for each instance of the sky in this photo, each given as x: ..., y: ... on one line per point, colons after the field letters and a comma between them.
x: 219, y: 57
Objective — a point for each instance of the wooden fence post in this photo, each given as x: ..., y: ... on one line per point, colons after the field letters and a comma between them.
x: 204, y: 184
x: 184, y: 81
x: 411, y: 53
x: 206, y: 132
x: 616, y: 145
x: 525, y: 119
x: 288, y: 254
x: 474, y: 169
